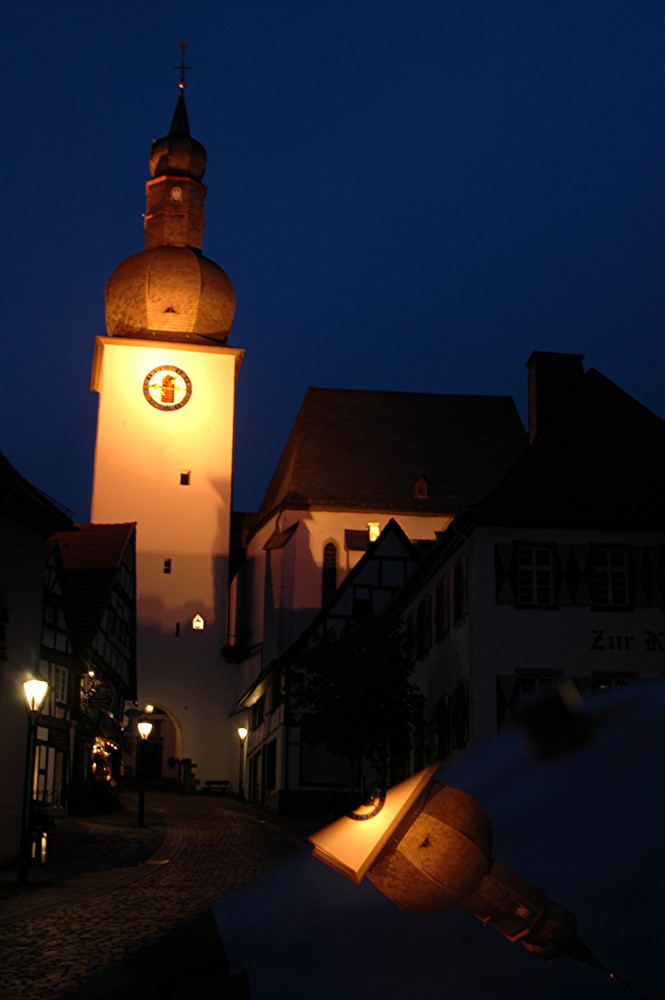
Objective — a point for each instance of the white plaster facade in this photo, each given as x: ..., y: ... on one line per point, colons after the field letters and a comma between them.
x: 505, y: 653
x: 183, y: 525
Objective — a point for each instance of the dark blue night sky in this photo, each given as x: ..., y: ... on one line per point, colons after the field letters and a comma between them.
x: 407, y: 195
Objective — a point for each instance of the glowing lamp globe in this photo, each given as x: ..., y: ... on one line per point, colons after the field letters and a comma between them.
x: 35, y: 690
x: 144, y: 728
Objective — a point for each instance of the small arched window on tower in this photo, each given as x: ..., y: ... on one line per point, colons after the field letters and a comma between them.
x: 329, y: 575
x: 420, y: 489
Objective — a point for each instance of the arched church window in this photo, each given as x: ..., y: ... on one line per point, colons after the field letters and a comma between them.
x: 329, y: 576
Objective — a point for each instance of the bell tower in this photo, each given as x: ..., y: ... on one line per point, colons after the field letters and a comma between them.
x: 164, y: 449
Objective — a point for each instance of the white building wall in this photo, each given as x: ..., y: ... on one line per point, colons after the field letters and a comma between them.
x: 578, y: 640
x: 140, y: 455
x: 498, y: 639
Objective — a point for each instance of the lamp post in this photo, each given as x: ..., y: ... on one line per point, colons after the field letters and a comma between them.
x: 34, y: 690
x: 145, y: 728
x: 242, y: 736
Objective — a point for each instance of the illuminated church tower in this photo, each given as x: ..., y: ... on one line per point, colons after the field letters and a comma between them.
x: 163, y: 456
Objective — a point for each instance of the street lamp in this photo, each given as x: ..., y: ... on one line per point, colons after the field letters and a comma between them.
x: 34, y: 690
x: 145, y: 728
x: 242, y: 736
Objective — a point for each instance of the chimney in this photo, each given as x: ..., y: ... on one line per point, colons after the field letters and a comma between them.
x: 552, y: 377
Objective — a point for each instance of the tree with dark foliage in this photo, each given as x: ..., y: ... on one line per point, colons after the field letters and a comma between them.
x: 352, y: 693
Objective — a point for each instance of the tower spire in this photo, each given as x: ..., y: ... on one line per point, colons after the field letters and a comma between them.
x: 170, y: 289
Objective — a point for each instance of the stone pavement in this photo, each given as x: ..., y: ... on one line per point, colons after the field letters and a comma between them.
x: 122, y: 911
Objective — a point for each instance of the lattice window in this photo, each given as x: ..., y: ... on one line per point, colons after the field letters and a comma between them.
x: 535, y: 576
x: 460, y: 589
x: 441, y: 609
x: 60, y: 684
x: 609, y: 577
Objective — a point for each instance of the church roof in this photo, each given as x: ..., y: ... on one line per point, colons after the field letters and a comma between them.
x: 597, y: 464
x: 356, y: 448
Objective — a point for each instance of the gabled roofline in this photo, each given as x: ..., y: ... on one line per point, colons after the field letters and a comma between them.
x: 274, y: 667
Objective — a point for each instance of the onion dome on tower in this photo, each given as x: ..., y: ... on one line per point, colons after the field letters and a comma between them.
x: 170, y: 291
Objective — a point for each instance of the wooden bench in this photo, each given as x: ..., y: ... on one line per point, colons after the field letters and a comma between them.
x: 219, y: 786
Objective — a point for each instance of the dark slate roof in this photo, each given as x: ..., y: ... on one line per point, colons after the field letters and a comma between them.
x: 91, y: 556
x: 599, y: 463
x: 24, y: 503
x: 355, y: 449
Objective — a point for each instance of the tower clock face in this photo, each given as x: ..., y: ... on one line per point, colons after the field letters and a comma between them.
x: 167, y: 387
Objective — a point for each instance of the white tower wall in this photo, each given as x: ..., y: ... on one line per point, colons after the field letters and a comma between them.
x: 141, y: 454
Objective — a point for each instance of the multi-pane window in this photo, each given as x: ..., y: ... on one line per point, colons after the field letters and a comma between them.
x: 460, y: 589
x: 362, y: 602
x: 412, y: 632
x: 4, y: 618
x: 612, y: 682
x: 55, y: 634
x: 535, y: 578
x: 452, y: 720
x: 533, y: 686
x: 420, y: 629
x: 277, y: 693
x: 118, y: 620
x: 441, y: 609
x: 424, y: 626
x: 258, y: 711
x: 60, y: 683
x: 609, y: 577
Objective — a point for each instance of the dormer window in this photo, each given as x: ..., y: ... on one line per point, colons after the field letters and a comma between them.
x: 420, y: 489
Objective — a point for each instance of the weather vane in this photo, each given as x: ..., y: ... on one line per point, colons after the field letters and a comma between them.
x: 182, y: 67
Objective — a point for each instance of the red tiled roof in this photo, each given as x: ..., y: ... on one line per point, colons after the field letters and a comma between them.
x: 94, y: 546
x: 91, y: 555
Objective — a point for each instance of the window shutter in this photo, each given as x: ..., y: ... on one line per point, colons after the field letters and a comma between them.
x: 505, y: 573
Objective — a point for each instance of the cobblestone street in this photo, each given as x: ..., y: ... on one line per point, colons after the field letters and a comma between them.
x: 113, y: 897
